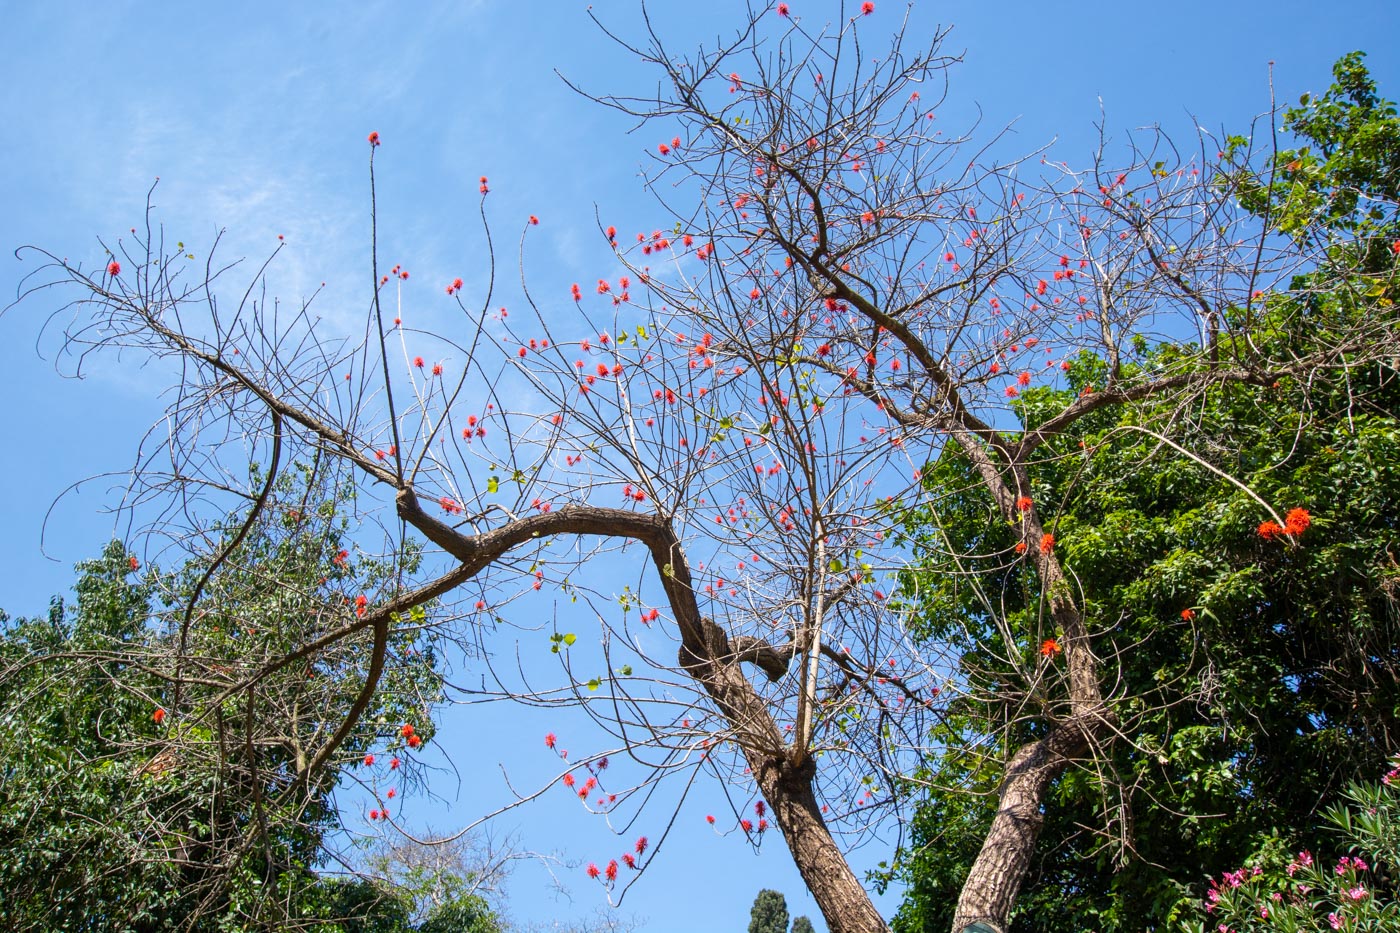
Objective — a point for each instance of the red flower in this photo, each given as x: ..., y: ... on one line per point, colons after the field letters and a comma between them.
x: 1020, y: 547
x: 1024, y: 379
x: 782, y: 9
x: 374, y: 814
x: 1024, y: 503
x: 393, y: 764
x: 1050, y: 647
x: 593, y: 870
x: 748, y: 827
x: 1297, y: 521
x: 1188, y: 614
x: 534, y: 221
x: 549, y: 740
x: 133, y: 563
x: 437, y: 369
x: 158, y: 716
x: 114, y: 268
x: 418, y: 361
x: 867, y: 7
x: 406, y: 730
x: 611, y: 870
x: 568, y: 780
x: 1269, y: 529
x: 392, y: 793
x: 369, y: 760
x: 414, y: 741
x: 373, y: 138
x: 641, y: 845
x: 629, y: 861
x: 1047, y: 543
x: 710, y: 820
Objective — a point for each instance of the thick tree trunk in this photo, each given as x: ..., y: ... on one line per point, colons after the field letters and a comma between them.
x: 843, y: 900
x: 989, y: 893
x: 995, y: 879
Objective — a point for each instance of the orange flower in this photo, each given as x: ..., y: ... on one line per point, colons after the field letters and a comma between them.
x: 158, y: 716
x: 1020, y: 547
x: 1047, y: 543
x: 1050, y: 647
x: 1297, y: 521
x: 1024, y: 503
x: 1270, y: 529
x: 1188, y: 614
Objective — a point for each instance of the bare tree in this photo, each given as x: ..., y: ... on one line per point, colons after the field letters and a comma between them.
x: 838, y: 294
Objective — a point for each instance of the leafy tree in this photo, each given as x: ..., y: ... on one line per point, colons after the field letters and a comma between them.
x: 769, y: 913
x: 1257, y: 667
x: 148, y: 762
x: 743, y: 417
x: 802, y: 925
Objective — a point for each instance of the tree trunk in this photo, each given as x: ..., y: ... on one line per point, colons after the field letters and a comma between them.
x: 843, y: 900
x: 991, y: 887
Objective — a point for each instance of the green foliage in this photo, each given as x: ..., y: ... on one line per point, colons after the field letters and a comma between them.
x: 802, y: 925
x: 1357, y: 891
x: 139, y: 791
x: 769, y: 913
x: 1343, y: 176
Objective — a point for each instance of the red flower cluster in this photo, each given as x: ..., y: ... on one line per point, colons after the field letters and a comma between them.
x: 373, y: 138
x: 1050, y: 647
x: 1295, y: 523
x: 114, y: 268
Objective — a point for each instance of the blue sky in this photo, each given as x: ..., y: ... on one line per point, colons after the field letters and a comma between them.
x: 254, y: 117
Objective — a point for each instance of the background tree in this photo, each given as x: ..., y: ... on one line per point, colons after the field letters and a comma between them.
x: 846, y: 293
x: 1255, y: 681
x: 139, y: 792
x: 769, y: 913
x: 802, y: 925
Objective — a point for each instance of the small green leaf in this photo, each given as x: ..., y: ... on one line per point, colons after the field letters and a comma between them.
x: 493, y: 484
x: 570, y: 638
